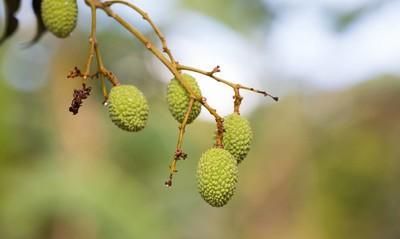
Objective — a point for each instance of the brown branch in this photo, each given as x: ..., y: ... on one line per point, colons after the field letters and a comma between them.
x: 147, y: 18
x: 94, y: 51
x: 236, y: 87
x: 92, y: 41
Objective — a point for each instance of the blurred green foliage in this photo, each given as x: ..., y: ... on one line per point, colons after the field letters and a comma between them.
x: 332, y: 162
x: 323, y: 165
x: 240, y: 15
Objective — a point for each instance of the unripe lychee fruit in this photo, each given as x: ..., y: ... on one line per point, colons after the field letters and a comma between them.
x: 217, y: 175
x: 128, y: 108
x: 237, y: 136
x: 59, y: 16
x: 178, y: 99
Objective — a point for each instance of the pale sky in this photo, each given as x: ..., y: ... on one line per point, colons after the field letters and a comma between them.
x: 301, y: 46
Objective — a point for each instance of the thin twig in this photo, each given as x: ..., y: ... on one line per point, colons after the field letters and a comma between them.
x: 235, y: 87
x: 94, y: 51
x: 179, y: 154
x: 218, y: 69
x: 147, y: 18
x: 92, y: 41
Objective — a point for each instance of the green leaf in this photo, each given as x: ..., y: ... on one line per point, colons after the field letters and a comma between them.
x: 11, y: 7
x: 41, y: 29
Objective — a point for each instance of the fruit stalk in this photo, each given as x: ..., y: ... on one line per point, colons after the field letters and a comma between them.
x: 182, y: 127
x: 95, y: 51
x: 92, y: 41
x: 179, y: 154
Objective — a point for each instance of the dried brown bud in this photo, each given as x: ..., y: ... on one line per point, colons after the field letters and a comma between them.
x: 78, y: 97
x: 74, y: 73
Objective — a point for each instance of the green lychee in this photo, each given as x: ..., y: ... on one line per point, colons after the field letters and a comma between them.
x: 128, y: 108
x: 59, y: 16
x: 237, y: 136
x: 178, y: 99
x: 217, y: 175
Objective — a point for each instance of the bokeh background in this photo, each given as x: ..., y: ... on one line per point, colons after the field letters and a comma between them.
x: 324, y: 162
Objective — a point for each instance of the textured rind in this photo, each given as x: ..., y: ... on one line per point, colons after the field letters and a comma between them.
x: 178, y: 99
x: 60, y: 16
x: 238, y: 136
x: 128, y: 108
x: 217, y: 175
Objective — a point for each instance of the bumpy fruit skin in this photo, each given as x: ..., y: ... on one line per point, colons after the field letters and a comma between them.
x: 238, y: 136
x: 60, y: 16
x: 178, y: 99
x: 128, y: 108
x: 217, y: 175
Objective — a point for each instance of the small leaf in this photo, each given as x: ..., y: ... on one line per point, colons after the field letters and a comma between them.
x: 11, y: 7
x: 41, y: 29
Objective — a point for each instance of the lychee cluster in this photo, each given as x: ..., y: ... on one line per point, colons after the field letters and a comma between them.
x: 217, y: 170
